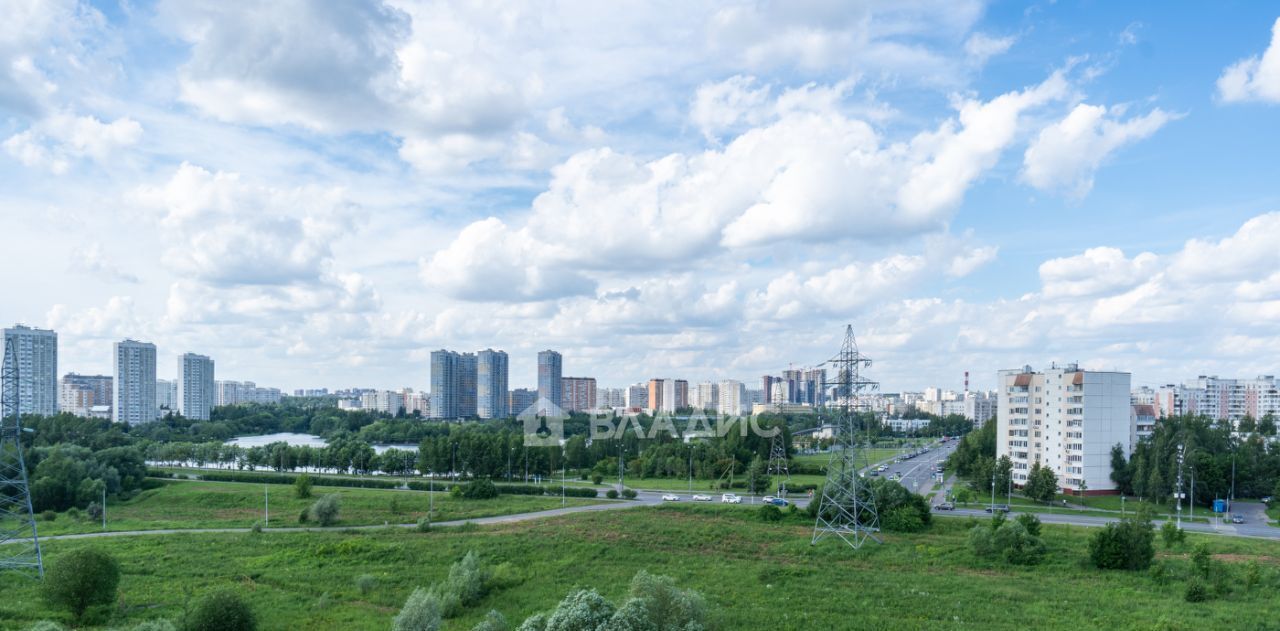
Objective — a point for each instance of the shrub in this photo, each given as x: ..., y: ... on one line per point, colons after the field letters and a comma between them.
x: 612, y: 494
x: 1252, y: 575
x: 1008, y: 540
x: 302, y: 487
x: 1172, y: 535
x: 629, y: 494
x: 305, y: 515
x: 656, y: 603
x: 769, y: 512
x: 583, y: 609
x: 1196, y: 591
x: 94, y: 511
x: 493, y: 621
x: 82, y: 579
x: 365, y: 583
x: 1201, y: 561
x: 46, y: 625
x: 1124, y: 545
x: 468, y: 579
x: 479, y: 490
x: 424, y: 524
x: 221, y: 610
x: 1031, y: 523
x: 73, y: 513
x: 596, y: 478
x: 49, y: 515
x: 1159, y: 573
x: 902, y: 519
x: 325, y: 510
x: 421, y: 612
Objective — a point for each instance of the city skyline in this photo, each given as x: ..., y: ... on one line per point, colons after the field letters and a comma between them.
x: 969, y: 196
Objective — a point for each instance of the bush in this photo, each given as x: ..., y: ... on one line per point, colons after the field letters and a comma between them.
x: 74, y: 513
x: 653, y: 603
x: 46, y: 625
x: 325, y: 510
x: 1196, y: 591
x: 94, y: 511
x: 479, y: 490
x: 365, y: 583
x: 421, y: 612
x: 1007, y: 540
x: 1124, y: 545
x: 424, y: 524
x: 305, y: 515
x: 1201, y: 561
x: 769, y: 512
x: 902, y: 519
x: 222, y: 610
x: 596, y: 478
x: 1031, y: 523
x: 629, y: 494
x: 468, y: 579
x: 583, y: 609
x: 612, y: 494
x: 1172, y: 535
x: 493, y: 621
x: 49, y: 515
x: 82, y: 579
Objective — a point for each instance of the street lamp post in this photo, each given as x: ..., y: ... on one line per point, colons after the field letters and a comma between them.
x: 691, y: 469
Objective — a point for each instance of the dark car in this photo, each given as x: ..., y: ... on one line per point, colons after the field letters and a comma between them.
x: 998, y: 508
x: 945, y: 506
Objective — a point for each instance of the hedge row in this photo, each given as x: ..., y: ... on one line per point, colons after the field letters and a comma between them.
x: 369, y: 483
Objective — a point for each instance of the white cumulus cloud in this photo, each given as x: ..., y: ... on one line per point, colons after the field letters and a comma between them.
x: 1066, y: 154
x: 1254, y: 78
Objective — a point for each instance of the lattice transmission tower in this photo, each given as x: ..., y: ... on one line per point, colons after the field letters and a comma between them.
x: 778, y: 469
x: 847, y: 508
x: 19, y: 544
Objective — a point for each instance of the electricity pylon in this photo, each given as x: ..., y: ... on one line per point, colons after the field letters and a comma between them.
x: 778, y: 462
x: 19, y: 543
x: 847, y: 508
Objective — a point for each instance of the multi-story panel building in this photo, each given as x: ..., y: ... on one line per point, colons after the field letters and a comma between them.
x: 36, y: 354
x: 979, y: 407
x: 1219, y: 399
x: 706, y: 396
x: 637, y: 397
x: 681, y: 394
x: 522, y: 399
x: 550, y: 379
x: 166, y: 397
x: 491, y: 384
x: 1067, y: 419
x: 1144, y: 421
x: 579, y: 394
x: 655, y: 397
x: 385, y: 401
x: 733, y: 398
x: 611, y: 398
x: 135, y: 382
x: 71, y: 391
x: 196, y: 391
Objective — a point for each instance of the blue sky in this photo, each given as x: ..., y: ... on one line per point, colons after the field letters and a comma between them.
x: 319, y: 194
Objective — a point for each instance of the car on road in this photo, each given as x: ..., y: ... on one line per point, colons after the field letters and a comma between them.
x: 997, y: 508
x: 945, y: 506
x: 875, y: 473
x: 702, y: 498
x: 1237, y: 519
x: 776, y: 501
x: 730, y: 498
x: 670, y: 498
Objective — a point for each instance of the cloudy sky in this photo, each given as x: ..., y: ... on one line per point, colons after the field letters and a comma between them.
x: 321, y: 193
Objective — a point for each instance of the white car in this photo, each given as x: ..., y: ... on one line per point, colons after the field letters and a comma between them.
x: 730, y: 498
x: 702, y: 498
x: 768, y: 499
x: 670, y: 498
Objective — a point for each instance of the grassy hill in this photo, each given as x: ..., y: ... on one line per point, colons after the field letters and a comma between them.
x: 755, y: 575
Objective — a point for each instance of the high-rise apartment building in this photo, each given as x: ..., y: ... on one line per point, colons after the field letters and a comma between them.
x: 637, y: 397
x: 242, y: 392
x: 706, y: 396
x: 1219, y: 399
x: 611, y: 398
x: 656, y: 397
x: 36, y: 354
x: 550, y: 384
x: 1067, y: 419
x: 733, y: 398
x: 579, y: 394
x: 77, y: 394
x: 681, y: 394
x: 979, y: 406
x: 467, y: 385
x: 135, y: 382
x: 521, y: 399
x: 196, y: 391
x: 166, y: 397
x: 446, y: 384
x: 491, y: 384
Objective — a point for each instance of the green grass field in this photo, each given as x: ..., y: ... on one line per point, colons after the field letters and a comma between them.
x: 754, y: 574
x: 239, y: 505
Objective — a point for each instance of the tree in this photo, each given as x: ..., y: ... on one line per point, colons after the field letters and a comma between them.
x: 769, y: 512
x: 302, y: 487
x: 1267, y: 426
x: 483, y: 489
x: 1042, y: 483
x: 221, y: 610
x: 493, y: 621
x: 583, y: 610
x: 757, y: 476
x: 1121, y: 473
x: 421, y: 612
x: 82, y: 579
x: 325, y: 510
x: 1172, y: 534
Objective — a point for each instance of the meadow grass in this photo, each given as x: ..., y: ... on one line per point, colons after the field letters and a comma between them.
x: 179, y: 504
x: 753, y: 574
